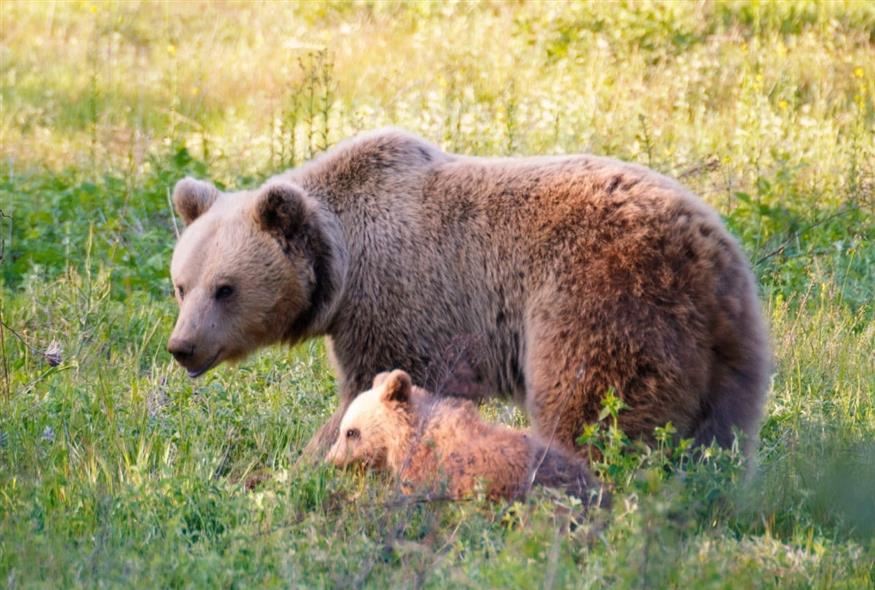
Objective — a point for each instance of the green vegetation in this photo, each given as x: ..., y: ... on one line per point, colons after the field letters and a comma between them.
x: 118, y: 471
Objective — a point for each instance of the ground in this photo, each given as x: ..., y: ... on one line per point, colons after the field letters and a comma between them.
x: 117, y: 470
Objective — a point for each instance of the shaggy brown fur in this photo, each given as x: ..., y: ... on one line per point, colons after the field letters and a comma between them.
x: 548, y: 279
x: 429, y: 442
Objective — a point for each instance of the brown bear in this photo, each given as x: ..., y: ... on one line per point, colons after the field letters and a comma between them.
x: 548, y: 280
x: 430, y: 442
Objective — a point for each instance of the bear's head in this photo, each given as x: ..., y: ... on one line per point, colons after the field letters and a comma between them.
x: 250, y: 269
x: 376, y: 424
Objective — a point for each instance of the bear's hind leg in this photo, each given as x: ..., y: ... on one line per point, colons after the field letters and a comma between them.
x: 575, y: 356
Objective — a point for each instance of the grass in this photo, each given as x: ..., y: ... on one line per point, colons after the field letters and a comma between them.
x: 116, y: 470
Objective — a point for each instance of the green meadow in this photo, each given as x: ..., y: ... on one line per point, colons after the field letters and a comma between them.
x: 116, y: 470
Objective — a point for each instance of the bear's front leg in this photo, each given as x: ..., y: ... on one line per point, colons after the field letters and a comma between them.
x: 318, y: 446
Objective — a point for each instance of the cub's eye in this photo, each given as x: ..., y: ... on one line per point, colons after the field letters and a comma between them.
x: 353, y: 433
x: 181, y: 291
x: 224, y: 292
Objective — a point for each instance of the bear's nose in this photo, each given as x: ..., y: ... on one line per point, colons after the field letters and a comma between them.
x: 182, y: 350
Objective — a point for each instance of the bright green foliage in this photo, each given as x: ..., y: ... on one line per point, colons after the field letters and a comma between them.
x: 118, y: 471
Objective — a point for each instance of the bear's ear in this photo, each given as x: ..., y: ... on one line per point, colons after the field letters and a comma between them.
x: 396, y: 387
x: 281, y: 208
x: 192, y: 197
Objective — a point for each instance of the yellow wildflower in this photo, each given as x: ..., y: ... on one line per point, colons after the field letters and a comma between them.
x: 858, y: 72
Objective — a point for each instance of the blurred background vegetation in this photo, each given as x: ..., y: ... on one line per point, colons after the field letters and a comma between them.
x: 117, y: 470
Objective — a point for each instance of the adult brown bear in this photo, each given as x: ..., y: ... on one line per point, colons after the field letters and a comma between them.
x: 548, y: 279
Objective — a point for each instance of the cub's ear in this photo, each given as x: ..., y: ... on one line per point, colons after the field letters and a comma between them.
x: 282, y: 208
x: 396, y: 387
x: 192, y: 197
x: 380, y: 378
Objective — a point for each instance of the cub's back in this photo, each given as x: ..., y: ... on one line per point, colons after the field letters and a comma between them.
x: 457, y: 444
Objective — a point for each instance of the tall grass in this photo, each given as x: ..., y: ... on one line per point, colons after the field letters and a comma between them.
x: 116, y: 470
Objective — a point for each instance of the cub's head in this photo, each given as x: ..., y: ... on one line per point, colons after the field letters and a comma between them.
x: 251, y: 269
x: 376, y: 422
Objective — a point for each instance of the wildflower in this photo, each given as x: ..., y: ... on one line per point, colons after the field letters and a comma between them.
x: 783, y: 104
x: 171, y: 49
x: 49, y: 434
x: 156, y: 400
x: 858, y: 72
x: 52, y: 354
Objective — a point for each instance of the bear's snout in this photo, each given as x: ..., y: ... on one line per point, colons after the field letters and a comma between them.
x: 196, y: 361
x: 181, y: 349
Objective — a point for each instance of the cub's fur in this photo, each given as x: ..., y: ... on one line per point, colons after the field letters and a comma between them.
x: 549, y: 279
x: 427, y: 441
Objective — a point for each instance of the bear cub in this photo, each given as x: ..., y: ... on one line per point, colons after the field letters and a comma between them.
x: 436, y: 444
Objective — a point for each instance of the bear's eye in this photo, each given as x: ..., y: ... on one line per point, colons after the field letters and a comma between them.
x: 224, y: 292
x: 181, y: 292
x: 353, y: 433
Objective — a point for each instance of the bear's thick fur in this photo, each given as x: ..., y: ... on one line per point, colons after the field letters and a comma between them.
x: 548, y: 279
x: 430, y: 443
